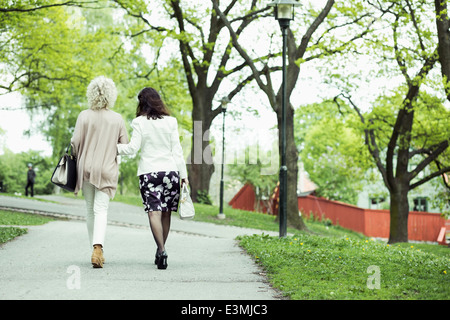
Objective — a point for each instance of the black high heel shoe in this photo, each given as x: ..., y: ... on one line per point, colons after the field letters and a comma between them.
x: 157, y: 256
x: 162, y: 261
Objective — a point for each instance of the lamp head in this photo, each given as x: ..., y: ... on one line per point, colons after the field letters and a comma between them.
x: 284, y: 9
x: 224, y: 102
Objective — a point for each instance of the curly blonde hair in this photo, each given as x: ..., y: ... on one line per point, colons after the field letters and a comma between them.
x: 101, y: 93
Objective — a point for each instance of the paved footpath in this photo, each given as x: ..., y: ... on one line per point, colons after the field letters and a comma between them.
x: 52, y: 261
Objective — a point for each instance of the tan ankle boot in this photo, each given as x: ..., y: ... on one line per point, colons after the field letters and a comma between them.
x: 97, y: 256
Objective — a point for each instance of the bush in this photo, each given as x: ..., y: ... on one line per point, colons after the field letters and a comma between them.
x: 14, y: 167
x: 203, y: 197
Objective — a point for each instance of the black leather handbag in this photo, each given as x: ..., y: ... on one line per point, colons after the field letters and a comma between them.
x: 65, y: 173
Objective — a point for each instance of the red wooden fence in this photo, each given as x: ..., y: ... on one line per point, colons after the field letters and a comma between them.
x: 422, y: 226
x: 245, y: 199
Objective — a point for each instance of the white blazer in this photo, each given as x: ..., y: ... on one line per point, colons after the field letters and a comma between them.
x: 159, y: 143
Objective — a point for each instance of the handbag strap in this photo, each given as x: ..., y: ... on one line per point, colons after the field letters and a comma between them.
x: 69, y: 146
x: 184, y: 193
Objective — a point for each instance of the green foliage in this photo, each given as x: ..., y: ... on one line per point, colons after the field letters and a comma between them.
x: 203, y: 197
x: 52, y: 57
x: 53, y: 53
x: 430, y: 127
x: 128, y: 180
x: 314, y: 267
x: 431, y: 119
x: 441, y: 198
x: 332, y: 150
x: 250, y: 170
x: 9, y: 233
x: 394, y: 59
x: 14, y: 167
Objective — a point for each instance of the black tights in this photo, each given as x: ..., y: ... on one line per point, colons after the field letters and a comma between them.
x: 160, y: 226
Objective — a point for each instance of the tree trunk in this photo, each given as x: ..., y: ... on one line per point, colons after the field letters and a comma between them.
x: 199, y: 179
x: 443, y: 25
x: 200, y: 164
x: 399, y: 209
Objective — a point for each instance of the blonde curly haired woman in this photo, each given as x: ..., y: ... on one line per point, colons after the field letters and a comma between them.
x: 97, y: 132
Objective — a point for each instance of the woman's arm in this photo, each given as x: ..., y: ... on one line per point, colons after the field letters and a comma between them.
x: 123, y: 135
x: 135, y: 142
x: 76, y: 138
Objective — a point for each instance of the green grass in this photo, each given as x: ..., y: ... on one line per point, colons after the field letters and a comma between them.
x: 14, y: 219
x: 9, y: 233
x: 316, y: 267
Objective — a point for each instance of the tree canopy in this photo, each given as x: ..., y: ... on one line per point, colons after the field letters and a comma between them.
x: 189, y: 50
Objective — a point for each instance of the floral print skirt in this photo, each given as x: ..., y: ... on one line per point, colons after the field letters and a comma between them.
x: 160, y: 191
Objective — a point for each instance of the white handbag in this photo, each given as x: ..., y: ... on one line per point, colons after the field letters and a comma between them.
x: 186, y: 209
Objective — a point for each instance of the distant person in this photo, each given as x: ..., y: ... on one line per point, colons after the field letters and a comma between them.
x: 31, y: 175
x: 161, y: 165
x: 97, y: 132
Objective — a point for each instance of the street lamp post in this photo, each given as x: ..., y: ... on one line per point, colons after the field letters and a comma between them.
x: 224, y: 102
x: 284, y: 13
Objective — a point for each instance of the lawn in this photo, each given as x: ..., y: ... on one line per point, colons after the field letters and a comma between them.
x: 317, y: 267
x: 11, y: 222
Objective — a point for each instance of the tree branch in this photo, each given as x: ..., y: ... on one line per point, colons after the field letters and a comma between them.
x: 443, y: 26
x: 429, y: 177
x: 405, y: 116
x: 432, y: 153
x: 237, y: 46
x: 141, y: 17
x: 312, y: 28
x: 369, y: 137
x: 246, y: 20
x: 398, y: 58
x: 67, y: 3
x: 414, y: 20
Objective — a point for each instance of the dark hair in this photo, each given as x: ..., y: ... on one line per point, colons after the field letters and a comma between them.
x: 151, y: 105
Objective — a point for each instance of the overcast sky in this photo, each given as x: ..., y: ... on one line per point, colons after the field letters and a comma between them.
x: 15, y: 121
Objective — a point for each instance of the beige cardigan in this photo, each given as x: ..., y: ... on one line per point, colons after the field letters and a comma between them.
x: 94, y: 141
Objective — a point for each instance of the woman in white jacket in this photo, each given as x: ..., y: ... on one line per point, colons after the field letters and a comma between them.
x: 161, y: 167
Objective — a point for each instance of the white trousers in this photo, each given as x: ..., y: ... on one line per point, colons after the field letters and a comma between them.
x: 97, y: 203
